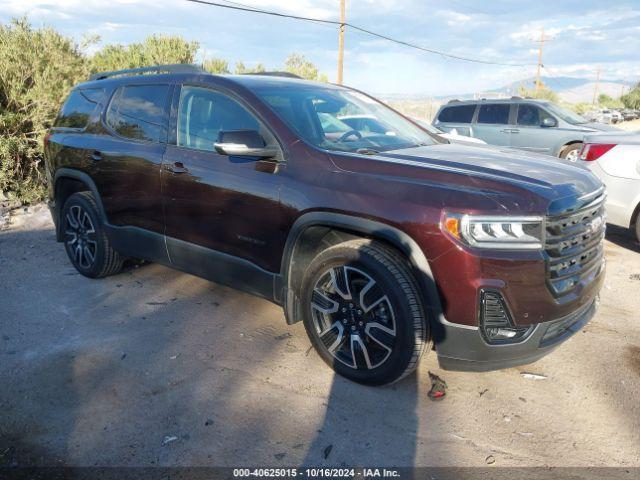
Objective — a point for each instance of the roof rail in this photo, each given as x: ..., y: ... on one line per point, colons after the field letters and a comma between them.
x: 275, y: 74
x: 455, y: 100
x: 516, y: 97
x: 174, y: 68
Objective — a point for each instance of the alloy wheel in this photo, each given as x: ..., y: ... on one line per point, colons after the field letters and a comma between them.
x: 80, y: 237
x: 353, y: 318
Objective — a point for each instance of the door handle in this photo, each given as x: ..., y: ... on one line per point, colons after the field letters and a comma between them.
x: 96, y: 156
x: 515, y: 130
x: 176, y: 167
x: 505, y: 130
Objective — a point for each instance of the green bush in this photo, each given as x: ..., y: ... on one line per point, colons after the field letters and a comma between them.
x: 38, y: 68
x: 155, y: 50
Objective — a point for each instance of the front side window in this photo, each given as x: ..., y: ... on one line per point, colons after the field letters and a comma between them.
x: 79, y: 107
x: 531, y: 115
x: 324, y: 116
x: 204, y: 113
x: 139, y: 112
x: 457, y: 114
x: 566, y: 115
x: 497, y: 113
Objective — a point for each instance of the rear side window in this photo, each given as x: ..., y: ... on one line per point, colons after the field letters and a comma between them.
x: 139, y: 112
x: 457, y: 114
x: 494, y: 113
x: 79, y: 107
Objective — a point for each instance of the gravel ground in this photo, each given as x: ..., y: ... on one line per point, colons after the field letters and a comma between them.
x: 156, y: 367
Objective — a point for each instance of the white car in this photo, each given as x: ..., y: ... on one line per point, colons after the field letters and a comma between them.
x: 616, y: 116
x: 453, y: 135
x: 615, y: 159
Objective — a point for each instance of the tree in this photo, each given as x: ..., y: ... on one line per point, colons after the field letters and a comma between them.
x: 241, y: 68
x: 606, y: 101
x: 632, y: 98
x: 216, y: 65
x: 154, y: 50
x: 38, y: 68
x: 299, y: 65
x: 543, y: 93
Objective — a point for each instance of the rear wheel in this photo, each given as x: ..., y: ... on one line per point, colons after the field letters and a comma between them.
x: 571, y: 152
x: 85, y: 241
x: 362, y: 312
x: 638, y: 228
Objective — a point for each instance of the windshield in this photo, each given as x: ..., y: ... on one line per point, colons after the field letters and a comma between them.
x: 340, y: 119
x: 566, y: 115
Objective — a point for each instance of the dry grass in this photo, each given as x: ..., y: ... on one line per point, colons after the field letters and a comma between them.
x: 631, y: 126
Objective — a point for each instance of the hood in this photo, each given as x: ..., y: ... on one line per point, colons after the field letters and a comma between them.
x: 548, y: 176
x: 602, y: 127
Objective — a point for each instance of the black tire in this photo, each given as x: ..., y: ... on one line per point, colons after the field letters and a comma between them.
x: 638, y: 228
x: 399, y: 321
x: 84, y: 238
x: 571, y: 152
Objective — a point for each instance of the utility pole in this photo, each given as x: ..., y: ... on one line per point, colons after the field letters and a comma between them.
x: 595, y: 89
x: 541, y: 42
x: 341, y: 41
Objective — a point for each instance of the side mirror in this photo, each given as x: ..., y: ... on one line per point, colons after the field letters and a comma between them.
x: 549, y: 122
x: 244, y: 143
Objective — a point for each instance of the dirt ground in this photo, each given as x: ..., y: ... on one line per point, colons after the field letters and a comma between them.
x: 156, y: 367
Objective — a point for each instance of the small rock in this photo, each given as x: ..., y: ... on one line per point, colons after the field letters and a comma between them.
x: 522, y: 399
x: 284, y: 336
x: 634, y: 276
x: 169, y: 439
x: 533, y: 376
x: 490, y: 460
x: 208, y: 422
x: 506, y: 418
x: 482, y: 392
x: 525, y: 434
x: 280, y: 456
x: 123, y: 356
x: 173, y: 357
x: 327, y: 451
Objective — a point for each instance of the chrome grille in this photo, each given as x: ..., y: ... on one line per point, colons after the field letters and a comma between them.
x: 574, y: 245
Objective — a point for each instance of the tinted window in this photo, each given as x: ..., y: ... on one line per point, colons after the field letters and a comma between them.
x: 531, y: 115
x: 494, y: 113
x: 139, y: 112
x: 203, y: 113
x: 459, y: 114
x: 78, y: 108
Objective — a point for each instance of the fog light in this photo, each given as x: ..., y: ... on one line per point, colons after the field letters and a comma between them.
x: 496, y: 324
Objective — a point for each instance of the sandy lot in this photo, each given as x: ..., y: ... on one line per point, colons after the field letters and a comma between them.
x: 156, y: 367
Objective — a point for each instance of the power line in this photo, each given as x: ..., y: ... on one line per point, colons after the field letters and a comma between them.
x: 246, y: 8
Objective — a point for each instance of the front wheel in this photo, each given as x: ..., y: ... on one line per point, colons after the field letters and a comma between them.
x: 571, y: 152
x: 363, y: 313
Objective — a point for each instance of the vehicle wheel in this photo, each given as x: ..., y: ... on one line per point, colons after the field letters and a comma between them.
x: 571, y: 152
x: 638, y: 228
x: 363, y: 313
x: 84, y: 238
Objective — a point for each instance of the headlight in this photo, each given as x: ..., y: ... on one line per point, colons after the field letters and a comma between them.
x: 504, y: 232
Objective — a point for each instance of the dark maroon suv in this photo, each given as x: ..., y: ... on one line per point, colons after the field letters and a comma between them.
x: 385, y: 240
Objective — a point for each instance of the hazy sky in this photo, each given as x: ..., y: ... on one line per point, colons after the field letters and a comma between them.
x: 586, y: 34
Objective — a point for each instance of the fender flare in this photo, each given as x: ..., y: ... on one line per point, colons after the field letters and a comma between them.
x: 85, y: 179
x: 373, y: 229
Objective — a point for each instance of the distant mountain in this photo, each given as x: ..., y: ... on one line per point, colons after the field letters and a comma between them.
x: 569, y: 89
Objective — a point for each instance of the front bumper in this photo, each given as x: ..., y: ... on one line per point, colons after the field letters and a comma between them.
x: 463, y: 348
